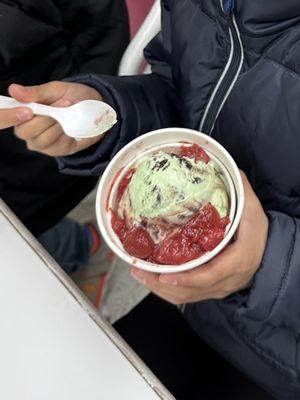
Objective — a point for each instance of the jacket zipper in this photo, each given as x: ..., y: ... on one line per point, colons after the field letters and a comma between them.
x: 229, y: 75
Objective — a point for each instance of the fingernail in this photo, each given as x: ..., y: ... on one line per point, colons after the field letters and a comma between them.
x: 168, y: 280
x: 24, y: 115
x: 138, y: 275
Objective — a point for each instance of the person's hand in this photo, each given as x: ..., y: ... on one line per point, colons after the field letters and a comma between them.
x: 230, y: 271
x: 44, y: 134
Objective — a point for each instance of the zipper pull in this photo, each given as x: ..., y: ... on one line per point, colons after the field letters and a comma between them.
x: 229, y: 6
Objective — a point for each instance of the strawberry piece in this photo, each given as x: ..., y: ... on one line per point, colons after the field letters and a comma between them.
x: 138, y: 243
x: 194, y: 151
x: 176, y: 250
x: 119, y: 226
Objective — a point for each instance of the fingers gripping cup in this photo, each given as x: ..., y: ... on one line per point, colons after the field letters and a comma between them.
x: 170, y: 200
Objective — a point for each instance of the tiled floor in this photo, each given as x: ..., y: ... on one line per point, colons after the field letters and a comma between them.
x: 106, y: 281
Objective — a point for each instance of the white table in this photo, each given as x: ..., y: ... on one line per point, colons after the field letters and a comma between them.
x: 53, y: 346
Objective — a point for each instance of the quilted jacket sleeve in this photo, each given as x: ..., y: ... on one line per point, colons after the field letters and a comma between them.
x: 274, y: 297
x: 143, y: 103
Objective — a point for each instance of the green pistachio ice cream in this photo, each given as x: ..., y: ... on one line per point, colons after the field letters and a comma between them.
x: 172, y: 188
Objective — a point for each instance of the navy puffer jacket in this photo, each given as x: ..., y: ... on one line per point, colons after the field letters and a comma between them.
x: 232, y: 70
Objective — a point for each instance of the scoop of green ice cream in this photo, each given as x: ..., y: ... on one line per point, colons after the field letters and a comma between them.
x: 174, y: 188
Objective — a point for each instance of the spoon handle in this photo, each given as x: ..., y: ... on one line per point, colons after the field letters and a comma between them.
x: 39, y: 109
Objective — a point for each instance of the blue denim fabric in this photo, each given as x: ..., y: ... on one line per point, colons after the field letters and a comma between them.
x: 68, y: 243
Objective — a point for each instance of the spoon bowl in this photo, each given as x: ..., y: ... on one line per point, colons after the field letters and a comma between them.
x: 86, y: 119
x: 82, y: 120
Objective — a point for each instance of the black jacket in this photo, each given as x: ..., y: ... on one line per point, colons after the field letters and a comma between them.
x: 42, y: 41
x: 231, y: 69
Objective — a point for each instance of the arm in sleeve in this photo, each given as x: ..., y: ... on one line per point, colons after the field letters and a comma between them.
x: 274, y: 295
x: 266, y: 317
x: 143, y: 103
x: 97, y: 33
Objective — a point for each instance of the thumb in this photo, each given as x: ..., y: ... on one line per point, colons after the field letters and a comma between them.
x: 47, y: 93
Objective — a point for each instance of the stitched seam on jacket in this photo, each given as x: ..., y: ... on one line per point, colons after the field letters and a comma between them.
x: 288, y: 51
x: 258, y: 35
x: 263, y: 354
x: 287, y: 69
x: 297, y: 360
x: 287, y: 268
x: 279, y: 290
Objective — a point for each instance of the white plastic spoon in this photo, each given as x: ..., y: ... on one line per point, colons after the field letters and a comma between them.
x: 82, y: 120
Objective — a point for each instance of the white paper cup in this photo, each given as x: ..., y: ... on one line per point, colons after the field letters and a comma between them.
x: 150, y: 142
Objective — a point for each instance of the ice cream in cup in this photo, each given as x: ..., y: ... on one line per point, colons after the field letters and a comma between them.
x: 170, y: 200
